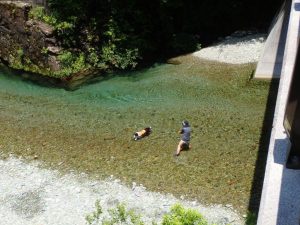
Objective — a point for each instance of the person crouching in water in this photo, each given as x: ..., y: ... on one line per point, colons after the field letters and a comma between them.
x: 184, y: 143
x: 143, y: 133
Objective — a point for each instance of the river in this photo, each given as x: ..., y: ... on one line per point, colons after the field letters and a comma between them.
x: 90, y: 129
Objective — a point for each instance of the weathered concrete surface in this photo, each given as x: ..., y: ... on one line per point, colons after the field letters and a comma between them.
x: 280, y: 202
x: 270, y: 63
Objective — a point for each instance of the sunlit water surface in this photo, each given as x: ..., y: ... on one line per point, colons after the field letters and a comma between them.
x: 90, y: 129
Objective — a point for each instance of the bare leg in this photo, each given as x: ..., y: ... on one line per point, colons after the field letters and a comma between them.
x: 179, y: 147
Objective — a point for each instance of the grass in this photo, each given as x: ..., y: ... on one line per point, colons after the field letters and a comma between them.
x: 90, y: 130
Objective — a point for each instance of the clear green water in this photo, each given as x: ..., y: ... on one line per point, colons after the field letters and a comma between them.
x: 90, y: 130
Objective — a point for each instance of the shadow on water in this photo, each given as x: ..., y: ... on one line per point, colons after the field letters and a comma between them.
x: 73, y: 85
x: 259, y: 172
x: 258, y: 177
x: 32, y: 78
x: 50, y: 82
x: 133, y: 75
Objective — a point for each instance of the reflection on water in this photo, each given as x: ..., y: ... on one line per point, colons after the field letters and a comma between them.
x: 91, y: 129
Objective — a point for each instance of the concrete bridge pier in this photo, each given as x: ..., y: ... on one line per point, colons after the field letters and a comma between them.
x: 280, y: 201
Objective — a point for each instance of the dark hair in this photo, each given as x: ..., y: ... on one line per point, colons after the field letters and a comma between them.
x: 185, y: 123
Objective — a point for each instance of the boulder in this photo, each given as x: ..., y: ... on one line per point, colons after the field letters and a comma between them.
x: 23, y: 40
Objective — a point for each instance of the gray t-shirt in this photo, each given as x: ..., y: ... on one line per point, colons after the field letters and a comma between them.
x: 186, y: 133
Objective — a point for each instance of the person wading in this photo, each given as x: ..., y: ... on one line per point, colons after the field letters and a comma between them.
x: 184, y: 143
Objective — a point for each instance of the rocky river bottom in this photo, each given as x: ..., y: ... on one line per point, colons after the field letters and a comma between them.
x: 89, y: 132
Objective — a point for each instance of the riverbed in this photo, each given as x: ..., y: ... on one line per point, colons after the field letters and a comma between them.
x: 90, y: 129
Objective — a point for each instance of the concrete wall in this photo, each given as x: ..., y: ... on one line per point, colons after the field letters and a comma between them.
x: 270, y: 63
x: 280, y: 202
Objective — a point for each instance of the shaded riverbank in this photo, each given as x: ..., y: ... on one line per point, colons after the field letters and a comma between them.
x: 90, y: 130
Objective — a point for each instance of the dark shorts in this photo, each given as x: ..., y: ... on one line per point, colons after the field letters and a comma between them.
x: 185, y: 145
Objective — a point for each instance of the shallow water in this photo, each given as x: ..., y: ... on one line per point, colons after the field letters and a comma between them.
x: 90, y: 129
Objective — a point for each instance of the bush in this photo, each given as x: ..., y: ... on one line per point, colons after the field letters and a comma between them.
x: 181, y: 216
x: 64, y: 29
x: 115, y: 51
x: 120, y: 216
x: 71, y: 63
x: 38, y: 13
x: 111, y: 52
x: 117, y: 216
x: 120, y: 59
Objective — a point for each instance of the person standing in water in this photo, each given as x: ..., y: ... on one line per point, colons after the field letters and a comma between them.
x: 185, y: 137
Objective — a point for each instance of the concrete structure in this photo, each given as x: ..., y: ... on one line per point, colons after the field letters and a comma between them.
x: 280, y: 202
x: 270, y: 63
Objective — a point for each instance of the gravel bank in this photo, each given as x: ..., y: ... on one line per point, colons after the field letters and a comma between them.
x: 238, y: 48
x: 31, y: 195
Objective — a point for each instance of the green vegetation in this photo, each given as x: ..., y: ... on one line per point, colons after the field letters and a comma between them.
x: 251, y: 218
x: 118, y: 35
x: 120, y: 216
x: 62, y: 27
x: 94, y: 217
x: 20, y: 61
x: 181, y: 216
x: 44, y: 51
x: 108, y: 54
x: 71, y: 63
x: 117, y: 216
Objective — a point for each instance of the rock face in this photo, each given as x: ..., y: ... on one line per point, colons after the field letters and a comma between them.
x: 24, y: 43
